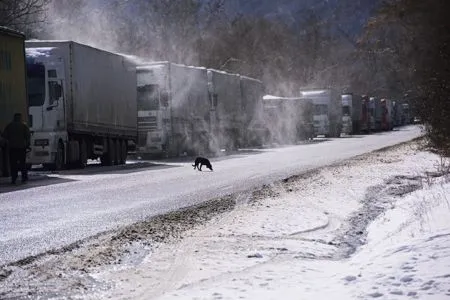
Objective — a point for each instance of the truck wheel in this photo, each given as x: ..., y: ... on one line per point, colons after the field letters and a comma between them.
x: 111, y: 152
x: 83, y: 154
x: 104, y: 159
x: 107, y: 158
x: 117, y: 152
x: 59, y: 159
x: 123, y: 152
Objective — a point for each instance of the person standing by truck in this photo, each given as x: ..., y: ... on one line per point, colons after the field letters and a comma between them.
x: 17, y: 135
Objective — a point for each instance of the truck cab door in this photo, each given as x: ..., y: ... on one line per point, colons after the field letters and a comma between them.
x: 55, y: 105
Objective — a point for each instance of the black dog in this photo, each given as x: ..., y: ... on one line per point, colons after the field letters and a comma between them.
x: 200, y: 161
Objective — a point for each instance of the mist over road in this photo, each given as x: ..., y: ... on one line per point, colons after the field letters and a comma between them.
x: 84, y: 203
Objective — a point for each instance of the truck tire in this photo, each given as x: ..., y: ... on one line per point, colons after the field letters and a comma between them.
x: 108, y: 157
x: 123, y: 152
x: 117, y: 152
x: 83, y: 154
x: 59, y: 159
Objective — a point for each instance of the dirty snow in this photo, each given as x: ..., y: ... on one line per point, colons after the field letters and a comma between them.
x: 376, y: 226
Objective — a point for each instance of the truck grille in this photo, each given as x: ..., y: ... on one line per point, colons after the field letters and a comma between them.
x: 147, y: 123
x: 151, y: 119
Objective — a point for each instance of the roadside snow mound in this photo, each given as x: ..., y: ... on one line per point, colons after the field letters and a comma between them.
x: 407, y: 257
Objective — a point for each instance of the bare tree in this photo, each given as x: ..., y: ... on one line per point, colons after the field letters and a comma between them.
x: 22, y: 14
x: 410, y: 41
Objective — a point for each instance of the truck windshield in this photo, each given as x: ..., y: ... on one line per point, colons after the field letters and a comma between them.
x: 320, y: 109
x: 36, y: 84
x: 148, y: 97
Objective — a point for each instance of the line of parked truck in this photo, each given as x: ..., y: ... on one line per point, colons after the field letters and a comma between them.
x: 85, y: 103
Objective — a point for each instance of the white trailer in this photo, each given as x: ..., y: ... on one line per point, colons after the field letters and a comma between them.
x: 82, y: 104
x: 173, y: 110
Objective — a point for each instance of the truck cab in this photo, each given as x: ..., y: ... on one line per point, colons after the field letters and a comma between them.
x: 347, y: 112
x: 321, y: 107
x: 153, y: 110
x: 327, y: 111
x: 387, y: 114
x: 321, y: 120
x: 406, y: 119
x: 45, y: 79
x: 364, y: 114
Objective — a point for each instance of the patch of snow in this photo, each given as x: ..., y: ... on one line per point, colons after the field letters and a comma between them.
x: 39, y: 52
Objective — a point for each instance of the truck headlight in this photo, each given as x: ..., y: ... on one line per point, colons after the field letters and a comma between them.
x: 41, y: 142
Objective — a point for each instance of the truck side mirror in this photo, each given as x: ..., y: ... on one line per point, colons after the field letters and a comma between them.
x: 55, y: 93
x: 58, y: 91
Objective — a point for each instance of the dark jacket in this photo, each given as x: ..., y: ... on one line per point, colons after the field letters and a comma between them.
x: 17, y: 134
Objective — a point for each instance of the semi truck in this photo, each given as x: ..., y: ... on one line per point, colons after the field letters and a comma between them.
x: 382, y: 113
x: 327, y: 111
x: 13, y: 89
x: 227, y: 116
x: 173, y: 110
x: 82, y: 104
x: 353, y: 114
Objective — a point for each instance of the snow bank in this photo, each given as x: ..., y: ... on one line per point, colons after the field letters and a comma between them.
x: 408, y: 256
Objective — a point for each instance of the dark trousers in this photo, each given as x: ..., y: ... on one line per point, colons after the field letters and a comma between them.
x: 17, y: 157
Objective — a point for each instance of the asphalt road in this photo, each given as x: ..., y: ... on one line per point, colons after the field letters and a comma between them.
x: 60, y: 209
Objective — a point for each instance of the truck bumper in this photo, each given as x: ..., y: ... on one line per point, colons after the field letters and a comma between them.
x: 43, y: 148
x: 347, y: 128
x: 321, y: 130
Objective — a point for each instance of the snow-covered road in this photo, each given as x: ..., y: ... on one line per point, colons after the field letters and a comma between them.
x: 288, y: 243
x: 80, y: 205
